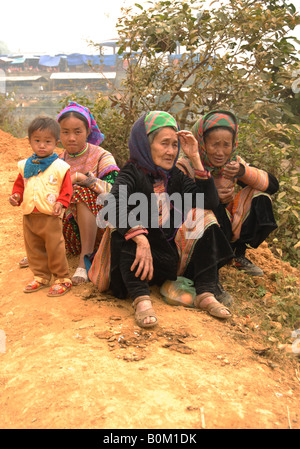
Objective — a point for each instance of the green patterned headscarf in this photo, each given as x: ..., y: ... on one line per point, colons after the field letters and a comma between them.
x: 215, y: 119
x: 139, y: 146
x: 159, y: 119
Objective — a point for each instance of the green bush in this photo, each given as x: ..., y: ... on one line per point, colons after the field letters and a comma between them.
x: 276, y: 149
x: 8, y: 122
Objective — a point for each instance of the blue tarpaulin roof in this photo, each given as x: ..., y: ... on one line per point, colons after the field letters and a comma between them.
x: 109, y: 59
x: 91, y: 59
x: 49, y: 61
x: 18, y: 61
x: 77, y: 59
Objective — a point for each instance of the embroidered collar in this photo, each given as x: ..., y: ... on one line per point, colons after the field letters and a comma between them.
x: 80, y: 152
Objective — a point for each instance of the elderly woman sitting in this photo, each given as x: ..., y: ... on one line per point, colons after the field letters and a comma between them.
x: 152, y: 251
x: 245, y: 211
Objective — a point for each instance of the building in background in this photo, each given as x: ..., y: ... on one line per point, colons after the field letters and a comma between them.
x: 38, y: 83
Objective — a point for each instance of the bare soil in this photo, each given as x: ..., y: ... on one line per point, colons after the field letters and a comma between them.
x: 80, y: 362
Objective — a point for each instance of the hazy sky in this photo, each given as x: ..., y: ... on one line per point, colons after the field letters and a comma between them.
x: 58, y: 26
x: 61, y: 26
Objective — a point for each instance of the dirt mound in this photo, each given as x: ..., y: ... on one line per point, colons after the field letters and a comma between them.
x: 13, y: 149
x: 81, y: 362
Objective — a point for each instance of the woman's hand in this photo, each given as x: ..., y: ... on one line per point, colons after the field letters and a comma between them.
x: 14, y: 199
x: 189, y: 146
x: 232, y: 169
x: 226, y: 194
x: 78, y: 177
x: 143, y: 258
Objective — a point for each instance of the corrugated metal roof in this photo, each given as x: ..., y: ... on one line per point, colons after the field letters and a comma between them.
x: 24, y: 78
x: 81, y: 75
x: 5, y: 59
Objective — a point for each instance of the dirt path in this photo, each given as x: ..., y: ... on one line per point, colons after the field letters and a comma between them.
x: 80, y: 361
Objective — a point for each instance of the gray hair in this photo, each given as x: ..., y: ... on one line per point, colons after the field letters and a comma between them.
x: 154, y: 133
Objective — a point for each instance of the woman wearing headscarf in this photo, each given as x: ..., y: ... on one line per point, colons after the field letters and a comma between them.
x: 151, y: 251
x: 93, y: 171
x: 245, y: 211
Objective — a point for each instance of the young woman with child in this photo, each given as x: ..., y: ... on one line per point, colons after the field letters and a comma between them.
x: 93, y: 171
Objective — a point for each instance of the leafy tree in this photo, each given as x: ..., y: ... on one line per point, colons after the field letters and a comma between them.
x: 235, y: 54
x: 276, y: 147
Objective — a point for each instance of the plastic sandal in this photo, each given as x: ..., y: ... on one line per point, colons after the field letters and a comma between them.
x: 213, y: 308
x: 34, y: 286
x: 59, y: 289
x: 140, y: 316
x: 24, y: 263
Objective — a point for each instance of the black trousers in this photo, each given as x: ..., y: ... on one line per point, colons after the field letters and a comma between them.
x: 255, y: 229
x: 211, y: 252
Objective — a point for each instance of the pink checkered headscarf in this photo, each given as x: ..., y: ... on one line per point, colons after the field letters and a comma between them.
x: 95, y: 137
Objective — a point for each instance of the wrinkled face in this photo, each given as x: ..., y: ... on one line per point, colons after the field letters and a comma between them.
x: 43, y: 142
x: 218, y: 145
x: 164, y: 148
x: 73, y: 134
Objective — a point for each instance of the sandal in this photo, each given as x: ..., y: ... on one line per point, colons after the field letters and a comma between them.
x: 213, y: 308
x: 80, y: 276
x: 140, y: 316
x: 24, y: 263
x: 59, y: 288
x: 34, y: 286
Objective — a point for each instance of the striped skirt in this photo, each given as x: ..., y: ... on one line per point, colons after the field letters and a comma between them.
x: 248, y: 219
x: 70, y: 226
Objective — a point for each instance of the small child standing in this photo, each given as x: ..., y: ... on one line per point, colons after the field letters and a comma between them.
x: 44, y: 188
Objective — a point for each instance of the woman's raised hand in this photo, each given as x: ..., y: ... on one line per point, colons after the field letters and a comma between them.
x: 232, y: 169
x: 189, y: 146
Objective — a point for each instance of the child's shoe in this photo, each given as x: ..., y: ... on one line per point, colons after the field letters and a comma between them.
x: 59, y: 288
x: 24, y: 263
x: 34, y: 286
